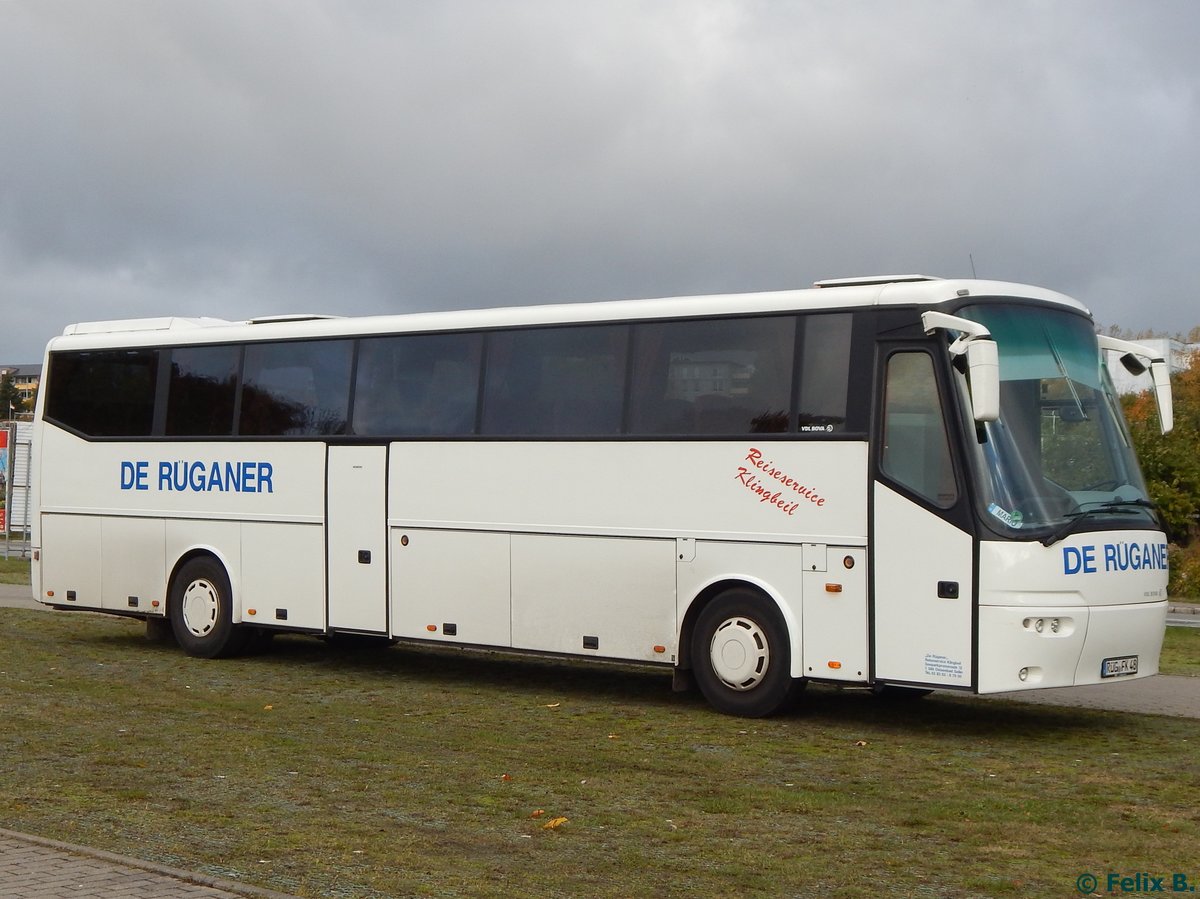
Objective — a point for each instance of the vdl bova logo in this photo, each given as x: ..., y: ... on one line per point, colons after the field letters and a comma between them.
x: 1122, y: 556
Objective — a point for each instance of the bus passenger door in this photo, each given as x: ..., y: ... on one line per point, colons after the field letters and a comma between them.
x: 356, y: 538
x: 922, y: 557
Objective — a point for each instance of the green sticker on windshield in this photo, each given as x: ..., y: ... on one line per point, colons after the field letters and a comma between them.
x: 1012, y: 519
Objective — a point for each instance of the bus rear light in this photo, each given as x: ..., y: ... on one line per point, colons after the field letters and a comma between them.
x: 49, y: 592
x: 248, y: 611
x: 154, y: 604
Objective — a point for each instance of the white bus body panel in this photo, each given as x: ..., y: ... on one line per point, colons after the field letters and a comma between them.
x: 573, y: 509
x: 133, y: 573
x: 357, y: 538
x: 74, y: 574
x: 835, y: 613
x: 612, y: 597
x: 920, y: 637
x: 1096, y: 596
x: 283, y: 575
x: 632, y: 489
x: 121, y: 515
x: 456, y: 578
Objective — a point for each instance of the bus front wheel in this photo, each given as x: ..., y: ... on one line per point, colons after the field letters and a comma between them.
x: 741, y: 657
x: 201, y: 610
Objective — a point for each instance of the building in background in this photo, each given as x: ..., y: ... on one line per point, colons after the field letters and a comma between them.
x: 25, y: 378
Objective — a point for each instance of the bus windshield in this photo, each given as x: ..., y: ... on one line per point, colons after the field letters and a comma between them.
x: 1060, y: 450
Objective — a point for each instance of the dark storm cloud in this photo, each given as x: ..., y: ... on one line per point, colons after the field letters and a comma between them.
x: 241, y: 158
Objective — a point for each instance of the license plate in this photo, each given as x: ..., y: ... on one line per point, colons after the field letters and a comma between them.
x: 1121, y: 666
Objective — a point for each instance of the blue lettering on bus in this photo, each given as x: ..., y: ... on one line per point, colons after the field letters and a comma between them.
x: 1123, y: 556
x: 200, y: 477
x: 134, y: 475
x: 1077, y: 559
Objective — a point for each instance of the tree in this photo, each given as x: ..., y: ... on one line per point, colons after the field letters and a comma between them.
x: 10, y: 398
x: 1171, y: 465
x: 1171, y: 462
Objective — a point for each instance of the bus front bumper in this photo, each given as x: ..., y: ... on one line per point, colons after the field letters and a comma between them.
x: 1031, y: 647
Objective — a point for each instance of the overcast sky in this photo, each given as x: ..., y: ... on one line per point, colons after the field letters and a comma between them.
x: 250, y: 157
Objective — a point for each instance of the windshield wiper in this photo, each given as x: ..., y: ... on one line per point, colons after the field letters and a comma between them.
x: 1066, y: 377
x: 1109, y: 507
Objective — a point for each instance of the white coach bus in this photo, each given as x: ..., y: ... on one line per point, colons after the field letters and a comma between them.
x: 906, y: 483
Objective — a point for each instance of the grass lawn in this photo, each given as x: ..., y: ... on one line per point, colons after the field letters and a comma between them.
x: 14, y: 570
x: 402, y: 772
x: 1181, y: 652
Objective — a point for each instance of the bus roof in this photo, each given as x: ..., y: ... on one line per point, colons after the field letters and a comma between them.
x: 847, y: 293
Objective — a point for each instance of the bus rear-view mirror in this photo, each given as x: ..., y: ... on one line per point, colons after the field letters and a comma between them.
x: 983, y: 367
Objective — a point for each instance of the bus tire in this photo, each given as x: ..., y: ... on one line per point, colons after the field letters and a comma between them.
x: 741, y: 657
x: 201, y: 610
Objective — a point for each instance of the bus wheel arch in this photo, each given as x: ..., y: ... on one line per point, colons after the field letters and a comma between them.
x: 200, y: 606
x: 736, y: 642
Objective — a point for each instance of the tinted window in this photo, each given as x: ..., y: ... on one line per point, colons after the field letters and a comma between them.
x: 201, y: 392
x: 296, y: 388
x: 555, y: 381
x: 418, y: 385
x: 916, y: 451
x: 824, y: 372
x: 104, y: 394
x: 725, y: 376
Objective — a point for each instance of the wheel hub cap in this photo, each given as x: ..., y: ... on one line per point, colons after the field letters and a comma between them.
x: 201, y: 603
x: 740, y: 654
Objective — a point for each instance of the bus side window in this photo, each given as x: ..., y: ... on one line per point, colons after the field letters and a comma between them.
x: 825, y: 372
x: 418, y: 385
x: 916, y: 450
x: 201, y: 391
x: 296, y: 388
x: 714, y: 377
x: 555, y: 382
x: 104, y: 393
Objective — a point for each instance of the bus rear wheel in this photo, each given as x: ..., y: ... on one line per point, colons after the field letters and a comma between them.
x: 741, y: 656
x: 201, y: 611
